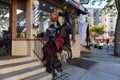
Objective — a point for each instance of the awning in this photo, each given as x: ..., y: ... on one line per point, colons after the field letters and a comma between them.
x: 77, y: 5
x: 105, y: 37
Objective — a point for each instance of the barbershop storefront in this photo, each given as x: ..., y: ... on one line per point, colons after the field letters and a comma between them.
x: 16, y: 24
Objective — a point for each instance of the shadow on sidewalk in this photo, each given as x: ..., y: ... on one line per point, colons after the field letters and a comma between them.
x: 86, y: 64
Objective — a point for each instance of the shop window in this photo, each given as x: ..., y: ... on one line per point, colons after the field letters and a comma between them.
x: 45, y: 9
x: 5, y: 28
x: 21, y: 19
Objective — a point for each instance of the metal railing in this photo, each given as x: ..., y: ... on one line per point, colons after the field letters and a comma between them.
x: 38, y: 45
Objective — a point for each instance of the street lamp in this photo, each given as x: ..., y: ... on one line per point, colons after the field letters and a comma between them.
x: 36, y: 13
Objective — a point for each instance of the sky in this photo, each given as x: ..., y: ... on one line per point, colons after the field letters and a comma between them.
x: 96, y: 4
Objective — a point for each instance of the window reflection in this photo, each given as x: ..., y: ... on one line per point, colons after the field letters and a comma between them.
x: 4, y: 20
x: 44, y: 21
x: 5, y: 29
x: 21, y: 19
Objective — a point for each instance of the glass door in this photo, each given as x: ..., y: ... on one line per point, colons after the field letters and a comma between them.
x: 5, y: 29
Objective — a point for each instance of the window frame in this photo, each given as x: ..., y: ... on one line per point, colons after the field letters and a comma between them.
x: 14, y: 21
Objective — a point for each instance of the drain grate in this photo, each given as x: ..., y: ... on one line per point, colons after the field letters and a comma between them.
x: 86, y: 64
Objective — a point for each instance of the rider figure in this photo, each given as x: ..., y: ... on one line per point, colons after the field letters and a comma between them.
x: 51, y: 33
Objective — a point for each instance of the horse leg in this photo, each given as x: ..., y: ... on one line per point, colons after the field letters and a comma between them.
x: 55, y: 64
x: 44, y: 56
x: 68, y: 52
x: 52, y: 62
x: 49, y: 63
x: 48, y: 69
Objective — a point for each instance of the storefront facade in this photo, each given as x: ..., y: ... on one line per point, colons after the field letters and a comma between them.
x: 17, y: 17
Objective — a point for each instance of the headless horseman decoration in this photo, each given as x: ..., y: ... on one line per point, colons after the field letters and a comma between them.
x: 50, y: 58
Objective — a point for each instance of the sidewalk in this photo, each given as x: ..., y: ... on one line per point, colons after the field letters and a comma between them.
x: 98, y: 65
x: 106, y: 67
x: 101, y: 55
x: 100, y: 71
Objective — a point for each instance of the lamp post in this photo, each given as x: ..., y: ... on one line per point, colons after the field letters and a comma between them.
x: 35, y: 13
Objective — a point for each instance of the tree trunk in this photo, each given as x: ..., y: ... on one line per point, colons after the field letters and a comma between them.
x: 117, y: 37
x: 117, y: 31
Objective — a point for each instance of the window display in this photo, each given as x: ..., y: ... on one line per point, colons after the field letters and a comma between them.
x: 45, y: 10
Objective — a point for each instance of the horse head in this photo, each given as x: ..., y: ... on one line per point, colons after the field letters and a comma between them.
x: 65, y: 30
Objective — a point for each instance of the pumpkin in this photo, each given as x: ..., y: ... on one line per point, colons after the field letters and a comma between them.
x: 53, y: 17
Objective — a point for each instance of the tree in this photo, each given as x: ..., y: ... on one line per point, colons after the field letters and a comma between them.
x: 117, y: 32
x: 97, y: 29
x: 111, y: 5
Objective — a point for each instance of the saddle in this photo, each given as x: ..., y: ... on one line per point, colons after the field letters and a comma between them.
x: 59, y: 41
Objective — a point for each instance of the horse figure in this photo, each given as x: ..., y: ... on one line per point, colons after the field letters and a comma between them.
x: 65, y: 31
x: 50, y: 54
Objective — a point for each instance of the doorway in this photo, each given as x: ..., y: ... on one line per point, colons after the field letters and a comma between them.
x: 5, y: 29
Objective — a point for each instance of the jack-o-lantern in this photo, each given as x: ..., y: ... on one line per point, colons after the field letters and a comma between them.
x: 53, y: 17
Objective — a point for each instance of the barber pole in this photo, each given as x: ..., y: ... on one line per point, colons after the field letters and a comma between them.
x: 36, y: 13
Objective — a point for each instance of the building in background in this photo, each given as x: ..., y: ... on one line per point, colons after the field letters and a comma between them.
x: 95, y: 16
x: 91, y: 16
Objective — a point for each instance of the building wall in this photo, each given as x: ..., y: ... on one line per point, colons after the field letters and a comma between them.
x: 19, y: 48
x: 112, y: 24
x: 76, y: 48
x: 106, y: 20
x: 96, y: 15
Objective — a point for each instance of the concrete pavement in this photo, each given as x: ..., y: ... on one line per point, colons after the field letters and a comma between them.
x: 102, y: 55
x: 97, y: 65
x: 100, y: 71
x: 107, y: 67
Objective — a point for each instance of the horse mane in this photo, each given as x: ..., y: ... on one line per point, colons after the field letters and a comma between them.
x: 63, y: 29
